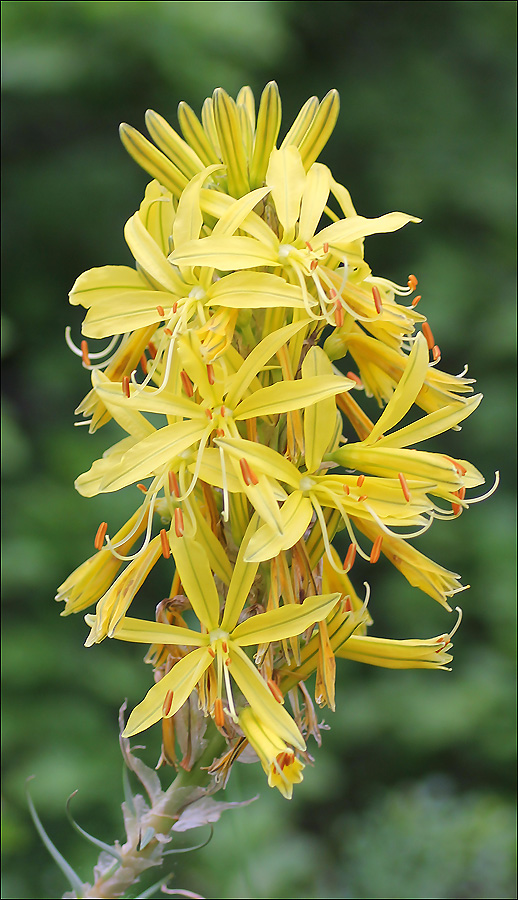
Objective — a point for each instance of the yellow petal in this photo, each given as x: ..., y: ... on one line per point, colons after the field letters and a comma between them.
x: 268, y: 124
x: 254, y: 290
x: 288, y: 395
x: 285, y: 622
x: 141, y: 631
x: 261, y: 699
x: 344, y: 232
x: 434, y: 423
x: 320, y: 128
x: 230, y: 142
x: 172, y: 145
x: 314, y: 199
x: 286, y: 179
x: 319, y: 418
x: 224, y: 253
x: 262, y: 458
x: 235, y: 215
x: 295, y: 516
x: 181, y: 680
x: 152, y: 160
x: 242, y: 581
x: 148, y: 255
x: 196, y: 576
x: 406, y: 391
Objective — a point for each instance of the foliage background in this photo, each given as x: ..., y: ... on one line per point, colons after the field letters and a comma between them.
x: 412, y: 792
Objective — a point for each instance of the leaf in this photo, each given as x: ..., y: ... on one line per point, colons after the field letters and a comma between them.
x: 204, y: 811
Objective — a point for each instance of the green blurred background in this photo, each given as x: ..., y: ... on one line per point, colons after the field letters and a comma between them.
x: 412, y: 794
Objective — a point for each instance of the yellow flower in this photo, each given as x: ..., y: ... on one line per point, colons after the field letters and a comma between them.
x: 220, y: 644
x: 277, y: 759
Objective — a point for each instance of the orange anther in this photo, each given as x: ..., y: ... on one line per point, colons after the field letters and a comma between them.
x: 325, y: 247
x: 168, y: 332
x: 360, y: 480
x: 84, y: 353
x: 100, y: 536
x: 459, y: 468
x: 313, y: 264
x: 339, y: 314
x: 376, y: 549
x: 362, y: 498
x: 219, y: 715
x: 152, y: 349
x: 173, y: 484
x: 461, y: 493
x: 178, y: 522
x: 212, y: 652
x: 308, y: 245
x: 143, y: 488
x: 187, y: 384
x: 160, y: 311
x: 247, y: 472
x: 126, y: 385
x: 436, y: 353
x: 355, y: 378
x: 404, y: 486
x: 347, y: 605
x: 332, y: 293
x: 416, y: 300
x: 349, y: 559
x: 143, y: 363
x: 208, y: 413
x: 427, y: 331
x: 224, y: 646
x: 377, y: 299
x: 276, y: 691
x: 412, y: 282
x: 164, y: 540
x: 220, y: 432
x: 168, y: 702
x: 227, y: 661
x: 456, y: 508
x: 346, y: 489
x: 222, y: 411
x: 210, y: 373
x: 175, y: 306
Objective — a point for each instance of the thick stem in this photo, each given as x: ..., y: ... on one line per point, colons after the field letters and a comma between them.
x: 114, y: 882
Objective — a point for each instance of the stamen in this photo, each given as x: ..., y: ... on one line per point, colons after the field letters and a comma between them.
x: 168, y: 702
x: 362, y: 498
x: 325, y: 247
x: 346, y: 489
x: 175, y: 306
x: 208, y: 413
x: 220, y: 432
x: 332, y: 293
x: 224, y: 646
x: 313, y: 264
x: 166, y: 550
x: 143, y: 363
x: 404, y: 486
x: 347, y: 605
x: 355, y: 378
x: 308, y: 245
x: 276, y: 691
x: 427, y: 331
x: 415, y: 301
x: 377, y: 299
x: 152, y: 349
x: 126, y: 386
x: 339, y: 314
x: 78, y: 351
x: 457, y: 624
x: 178, y: 522
x: 212, y: 652
x: 187, y: 384
x: 376, y: 549
x: 101, y: 534
x: 210, y: 373
x: 412, y: 282
x: 247, y: 472
x: 461, y: 470
x: 489, y: 492
x: 168, y: 332
x: 222, y: 411
x: 360, y: 480
x: 219, y: 716
x: 349, y: 559
x: 436, y: 353
x: 84, y: 353
x: 174, y: 487
x: 160, y: 311
x: 143, y: 488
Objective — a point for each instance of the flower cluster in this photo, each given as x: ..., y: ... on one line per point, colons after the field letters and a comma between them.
x: 247, y: 446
